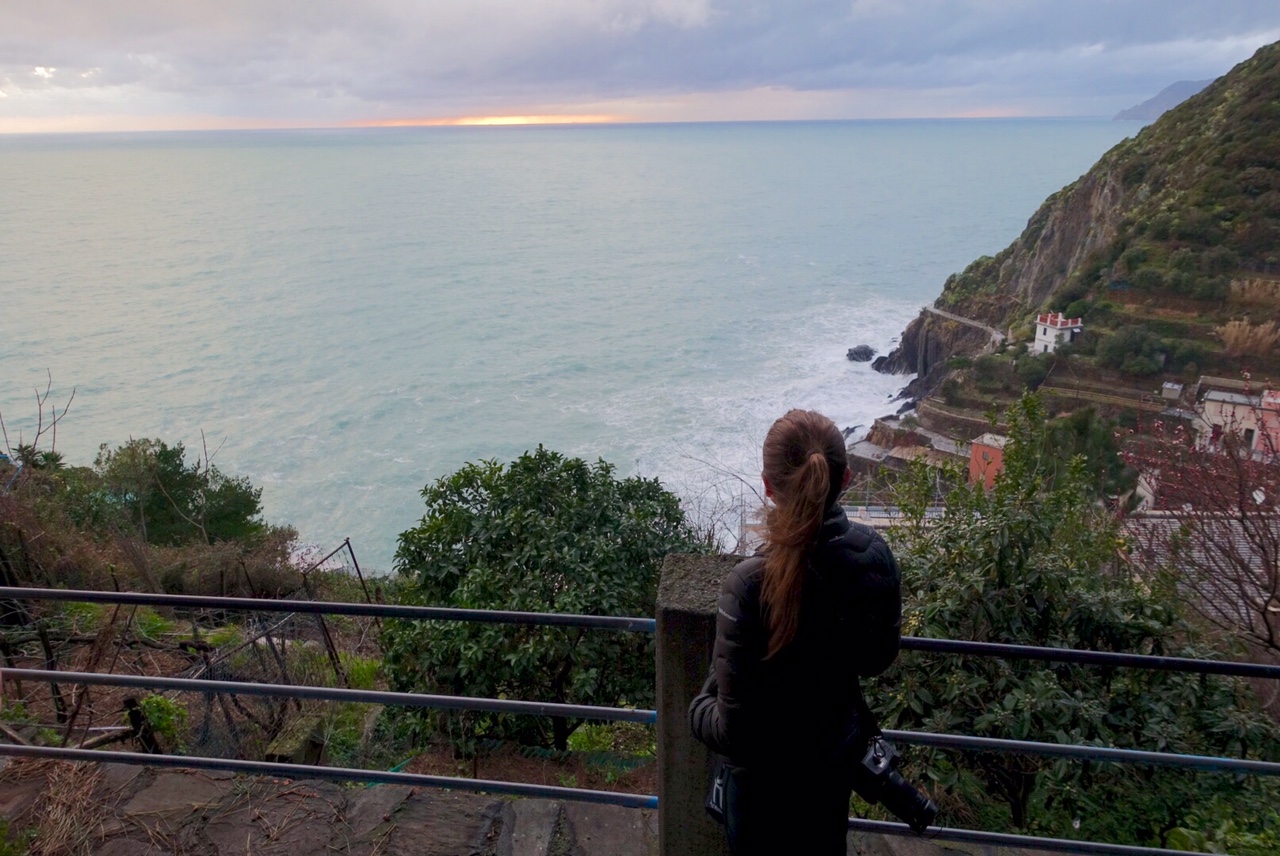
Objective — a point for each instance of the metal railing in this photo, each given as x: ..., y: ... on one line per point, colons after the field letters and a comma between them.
x: 419, y: 700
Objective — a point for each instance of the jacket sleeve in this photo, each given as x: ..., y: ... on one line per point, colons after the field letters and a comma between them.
x: 719, y: 714
x: 880, y: 625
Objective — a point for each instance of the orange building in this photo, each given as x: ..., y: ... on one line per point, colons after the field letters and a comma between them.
x: 986, y: 459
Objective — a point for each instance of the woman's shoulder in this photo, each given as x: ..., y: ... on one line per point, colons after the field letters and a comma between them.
x: 745, y: 578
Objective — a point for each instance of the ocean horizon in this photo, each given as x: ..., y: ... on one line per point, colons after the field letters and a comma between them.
x: 350, y: 314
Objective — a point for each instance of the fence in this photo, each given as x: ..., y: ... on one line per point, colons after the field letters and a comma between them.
x: 685, y: 627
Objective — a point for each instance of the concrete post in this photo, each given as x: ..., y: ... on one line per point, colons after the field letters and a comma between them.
x: 687, y: 596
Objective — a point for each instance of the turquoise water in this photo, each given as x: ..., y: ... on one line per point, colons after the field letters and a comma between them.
x: 351, y: 314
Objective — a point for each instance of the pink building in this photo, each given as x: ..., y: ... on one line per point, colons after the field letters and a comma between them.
x: 1254, y: 419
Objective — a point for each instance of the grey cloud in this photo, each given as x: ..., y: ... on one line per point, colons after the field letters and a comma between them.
x: 316, y: 58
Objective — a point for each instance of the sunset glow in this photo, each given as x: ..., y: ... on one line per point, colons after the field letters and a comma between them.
x: 492, y: 120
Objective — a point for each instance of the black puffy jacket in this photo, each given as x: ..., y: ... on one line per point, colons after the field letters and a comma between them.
x: 803, y: 708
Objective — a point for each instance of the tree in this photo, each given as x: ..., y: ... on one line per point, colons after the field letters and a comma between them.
x: 169, y: 501
x: 29, y: 454
x: 1036, y: 561
x: 545, y: 533
x: 1092, y: 438
x: 1214, y: 529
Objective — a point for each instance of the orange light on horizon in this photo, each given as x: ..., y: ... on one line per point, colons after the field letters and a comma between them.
x: 489, y: 120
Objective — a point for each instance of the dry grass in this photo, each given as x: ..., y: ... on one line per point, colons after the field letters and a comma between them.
x: 1241, y: 338
x: 1255, y: 292
x: 65, y: 817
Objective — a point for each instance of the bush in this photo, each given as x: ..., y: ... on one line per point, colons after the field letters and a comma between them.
x: 1033, y: 370
x: 149, y: 486
x: 545, y: 533
x: 1037, y: 561
x: 950, y: 391
x: 991, y: 373
x: 1141, y: 366
x: 1147, y: 279
x: 1078, y: 308
x: 1133, y: 257
x: 1137, y: 351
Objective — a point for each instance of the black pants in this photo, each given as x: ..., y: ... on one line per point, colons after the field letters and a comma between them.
x: 776, y: 813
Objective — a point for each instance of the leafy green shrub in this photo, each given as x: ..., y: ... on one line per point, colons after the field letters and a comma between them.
x: 591, y: 738
x: 1187, y: 354
x: 545, y: 533
x: 1036, y: 561
x: 991, y: 373
x: 1183, y: 259
x: 1085, y: 343
x: 1213, y: 288
x: 1147, y: 279
x: 1140, y: 366
x: 1078, y: 308
x: 15, y: 712
x: 1130, y: 349
x: 167, y: 718
x: 362, y: 672
x: 950, y: 390
x: 149, y: 486
x: 1219, y: 260
x: 1133, y: 257
x: 1032, y: 370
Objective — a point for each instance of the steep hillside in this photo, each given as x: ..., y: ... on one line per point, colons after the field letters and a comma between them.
x: 1186, y: 215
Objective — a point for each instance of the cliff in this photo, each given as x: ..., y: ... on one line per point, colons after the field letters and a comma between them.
x: 1189, y: 205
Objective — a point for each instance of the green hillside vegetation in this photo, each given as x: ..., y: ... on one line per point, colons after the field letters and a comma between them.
x: 1186, y: 276
x: 143, y: 517
x: 1037, y: 561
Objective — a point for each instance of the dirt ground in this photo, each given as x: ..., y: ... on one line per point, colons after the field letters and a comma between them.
x: 511, y: 763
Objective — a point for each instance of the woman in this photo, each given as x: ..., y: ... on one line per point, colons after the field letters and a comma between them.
x: 796, y: 626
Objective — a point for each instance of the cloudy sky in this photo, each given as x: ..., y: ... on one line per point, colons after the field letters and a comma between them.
x: 154, y: 64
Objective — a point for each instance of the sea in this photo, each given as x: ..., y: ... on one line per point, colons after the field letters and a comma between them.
x: 345, y: 316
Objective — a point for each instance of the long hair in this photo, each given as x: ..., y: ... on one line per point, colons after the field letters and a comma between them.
x: 804, y: 464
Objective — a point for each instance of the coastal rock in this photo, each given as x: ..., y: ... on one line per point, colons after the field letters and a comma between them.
x: 926, y: 345
x: 861, y: 354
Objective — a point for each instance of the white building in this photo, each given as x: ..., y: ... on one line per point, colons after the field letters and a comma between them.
x: 1053, y: 330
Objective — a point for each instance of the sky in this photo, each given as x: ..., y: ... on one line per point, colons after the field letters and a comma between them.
x: 111, y: 65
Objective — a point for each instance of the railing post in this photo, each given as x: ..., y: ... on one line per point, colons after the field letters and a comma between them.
x: 686, y: 630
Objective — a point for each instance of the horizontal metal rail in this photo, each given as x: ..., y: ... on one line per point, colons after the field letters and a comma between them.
x: 1086, y: 753
x: 636, y: 624
x: 318, y: 607
x: 918, y: 738
x: 337, y: 774
x: 1005, y: 839
x: 435, y: 702
x: 1093, y: 658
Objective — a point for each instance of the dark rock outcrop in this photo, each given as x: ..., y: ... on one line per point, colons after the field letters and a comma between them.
x: 861, y: 354
x: 926, y: 345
